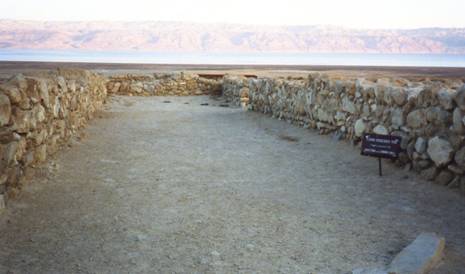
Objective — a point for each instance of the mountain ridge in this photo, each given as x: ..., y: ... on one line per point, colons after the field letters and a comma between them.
x: 160, y: 36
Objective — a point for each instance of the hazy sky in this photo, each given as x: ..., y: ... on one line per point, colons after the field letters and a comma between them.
x: 349, y: 13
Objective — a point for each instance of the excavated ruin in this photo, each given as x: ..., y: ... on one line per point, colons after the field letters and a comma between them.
x: 38, y: 114
x: 256, y: 192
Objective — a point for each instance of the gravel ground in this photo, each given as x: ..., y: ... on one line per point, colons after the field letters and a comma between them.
x: 177, y: 187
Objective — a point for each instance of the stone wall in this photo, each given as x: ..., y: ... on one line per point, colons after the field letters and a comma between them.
x: 428, y: 115
x: 163, y: 84
x: 236, y: 90
x: 38, y: 114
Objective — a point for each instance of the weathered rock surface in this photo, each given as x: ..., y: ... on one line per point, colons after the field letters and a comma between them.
x: 360, y: 127
x: 419, y: 257
x: 417, y: 119
x: 399, y: 96
x: 460, y: 98
x: 460, y: 158
x: 5, y: 109
x: 2, y: 202
x: 379, y: 129
x: 445, y: 97
x: 440, y: 151
x: 397, y: 118
x: 457, y: 119
x: 420, y: 145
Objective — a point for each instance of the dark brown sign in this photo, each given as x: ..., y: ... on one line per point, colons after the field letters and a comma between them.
x: 381, y: 146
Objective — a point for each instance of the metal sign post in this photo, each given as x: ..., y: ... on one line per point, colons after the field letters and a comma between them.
x: 381, y: 146
x: 380, y: 167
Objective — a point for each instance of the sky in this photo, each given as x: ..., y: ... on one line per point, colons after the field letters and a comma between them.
x: 347, y: 13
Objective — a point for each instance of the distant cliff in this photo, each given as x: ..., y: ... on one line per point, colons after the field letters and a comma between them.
x: 189, y: 37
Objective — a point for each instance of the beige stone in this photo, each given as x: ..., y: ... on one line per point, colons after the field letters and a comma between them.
x: 5, y: 109
x: 380, y: 129
x: 12, y: 92
x: 457, y: 121
x: 445, y: 97
x: 2, y: 202
x: 417, y: 118
x: 460, y: 98
x: 360, y: 127
x: 420, y: 257
x: 40, y: 154
x: 460, y: 157
x: 43, y: 93
x: 399, y: 96
x: 440, y: 151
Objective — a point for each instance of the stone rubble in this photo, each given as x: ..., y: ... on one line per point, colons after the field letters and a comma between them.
x: 420, y: 257
x: 428, y: 115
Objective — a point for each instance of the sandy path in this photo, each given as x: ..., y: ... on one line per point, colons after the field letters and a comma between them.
x: 182, y: 188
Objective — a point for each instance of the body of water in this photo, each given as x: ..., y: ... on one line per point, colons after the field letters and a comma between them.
x: 416, y: 60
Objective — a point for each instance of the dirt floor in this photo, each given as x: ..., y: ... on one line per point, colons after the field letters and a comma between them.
x: 158, y: 187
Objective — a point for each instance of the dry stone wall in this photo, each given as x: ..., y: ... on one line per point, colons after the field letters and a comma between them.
x: 163, y: 84
x: 428, y: 115
x: 236, y: 90
x: 40, y: 113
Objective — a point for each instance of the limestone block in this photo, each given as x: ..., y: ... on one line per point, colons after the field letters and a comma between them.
x: 32, y: 91
x: 43, y: 93
x: 5, y: 109
x: 399, y: 96
x: 397, y: 117
x: 438, y: 116
x: 348, y: 105
x: 13, y: 93
x: 460, y: 98
x: 445, y: 97
x: 39, y: 113
x: 40, y: 154
x: 458, y: 121
x: 2, y: 202
x: 61, y: 81
x: 360, y: 127
x: 460, y: 158
x: 420, y: 257
x: 417, y: 118
x: 22, y: 120
x: 380, y: 129
x: 440, y: 151
x: 420, y: 145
